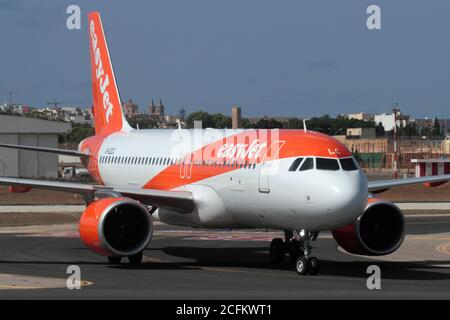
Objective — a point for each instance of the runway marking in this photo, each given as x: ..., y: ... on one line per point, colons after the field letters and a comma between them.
x: 231, y: 238
x: 58, y: 234
x: 434, y: 222
x: 2, y: 287
x: 430, y: 237
x: 444, y: 248
x: 18, y: 287
x: 16, y: 281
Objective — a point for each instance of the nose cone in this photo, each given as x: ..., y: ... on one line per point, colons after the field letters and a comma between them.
x: 344, y: 196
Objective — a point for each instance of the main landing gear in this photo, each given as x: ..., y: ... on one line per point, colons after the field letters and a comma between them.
x: 298, y: 246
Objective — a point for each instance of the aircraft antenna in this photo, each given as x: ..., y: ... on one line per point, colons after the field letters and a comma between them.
x: 304, y: 124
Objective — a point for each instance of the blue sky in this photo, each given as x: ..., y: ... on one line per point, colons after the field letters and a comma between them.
x: 276, y: 58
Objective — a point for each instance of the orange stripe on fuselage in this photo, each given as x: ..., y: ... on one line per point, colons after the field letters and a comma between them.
x: 273, y: 144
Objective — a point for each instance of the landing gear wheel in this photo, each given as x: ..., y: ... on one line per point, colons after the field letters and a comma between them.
x: 294, y: 250
x: 313, y: 266
x: 301, y: 266
x: 114, y: 260
x: 277, y: 251
x: 136, y: 259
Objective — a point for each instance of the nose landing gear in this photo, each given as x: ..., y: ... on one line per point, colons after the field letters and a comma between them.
x: 299, y: 249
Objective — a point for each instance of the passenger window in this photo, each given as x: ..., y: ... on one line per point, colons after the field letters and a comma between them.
x: 327, y: 164
x: 348, y: 164
x: 308, y: 164
x: 295, y: 164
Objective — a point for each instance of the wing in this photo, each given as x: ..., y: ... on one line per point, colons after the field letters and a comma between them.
x: 382, y: 185
x: 74, y: 153
x: 182, y: 201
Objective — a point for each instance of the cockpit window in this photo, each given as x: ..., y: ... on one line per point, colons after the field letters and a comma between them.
x: 295, y: 164
x: 308, y: 164
x: 327, y: 164
x: 348, y: 164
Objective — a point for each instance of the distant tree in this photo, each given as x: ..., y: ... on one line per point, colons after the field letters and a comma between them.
x: 143, y: 121
x: 221, y: 121
x: 425, y: 131
x: 268, y: 124
x: 324, y: 124
x: 203, y: 116
x: 245, y: 123
x: 409, y: 130
x: 78, y: 133
x: 436, y: 128
x: 294, y: 123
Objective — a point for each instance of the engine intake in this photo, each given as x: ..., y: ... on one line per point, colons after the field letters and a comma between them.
x: 116, y: 227
x: 380, y: 230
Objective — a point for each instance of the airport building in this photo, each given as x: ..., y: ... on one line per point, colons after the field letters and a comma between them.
x: 31, y: 132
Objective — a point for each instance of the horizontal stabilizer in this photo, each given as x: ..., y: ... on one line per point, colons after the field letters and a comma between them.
x: 73, y: 153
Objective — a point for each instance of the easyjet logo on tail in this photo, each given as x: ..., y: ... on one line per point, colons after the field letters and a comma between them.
x: 100, y: 74
x: 108, y: 115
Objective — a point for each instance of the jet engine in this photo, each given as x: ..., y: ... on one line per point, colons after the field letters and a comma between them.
x: 116, y: 227
x: 380, y: 230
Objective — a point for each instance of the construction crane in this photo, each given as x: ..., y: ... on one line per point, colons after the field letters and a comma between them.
x: 55, y: 103
x: 11, y: 92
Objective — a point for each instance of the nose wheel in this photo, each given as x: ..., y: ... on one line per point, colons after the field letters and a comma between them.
x: 305, y: 266
x: 299, y: 250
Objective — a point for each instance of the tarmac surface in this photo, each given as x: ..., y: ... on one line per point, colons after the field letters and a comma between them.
x: 184, y: 263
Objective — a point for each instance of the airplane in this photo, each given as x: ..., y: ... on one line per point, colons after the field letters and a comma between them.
x: 300, y: 182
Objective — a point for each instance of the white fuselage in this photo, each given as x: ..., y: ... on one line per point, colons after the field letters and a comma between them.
x: 260, y: 195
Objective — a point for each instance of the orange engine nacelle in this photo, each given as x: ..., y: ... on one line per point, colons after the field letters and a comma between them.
x: 380, y: 230
x: 116, y: 227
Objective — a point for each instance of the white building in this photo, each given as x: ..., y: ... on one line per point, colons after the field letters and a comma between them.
x: 388, y: 120
x: 359, y: 116
x: 30, y: 132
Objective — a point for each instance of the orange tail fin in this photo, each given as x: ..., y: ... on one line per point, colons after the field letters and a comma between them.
x: 107, y: 108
